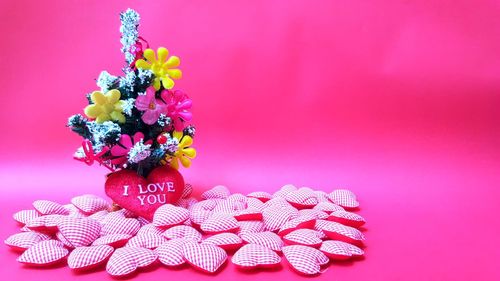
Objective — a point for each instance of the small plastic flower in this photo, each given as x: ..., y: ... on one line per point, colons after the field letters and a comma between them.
x: 184, y: 152
x: 121, y: 150
x: 106, y: 107
x: 151, y: 106
x: 164, y: 69
x: 178, y: 106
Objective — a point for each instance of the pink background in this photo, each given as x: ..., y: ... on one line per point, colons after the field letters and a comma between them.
x: 395, y: 100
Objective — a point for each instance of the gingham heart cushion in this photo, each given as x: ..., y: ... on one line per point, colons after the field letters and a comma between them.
x: 74, y: 211
x: 218, y: 223
x: 83, y: 258
x: 24, y: 240
x: 337, y: 231
x: 150, y: 228
x: 313, y: 213
x: 275, y: 217
x: 126, y: 260
x: 99, y: 216
x: 296, y: 223
x: 114, y: 223
x: 198, y: 217
x: 44, y: 253
x: 24, y: 216
x: 186, y: 202
x: 255, y: 203
x: 327, y: 207
x: 183, y: 231
x: 89, y: 204
x: 187, y: 191
x: 347, y: 218
x: 206, y: 257
x: 46, y: 207
x: 304, y: 259
x: 249, y: 214
x: 46, y: 224
x: 79, y: 231
x: 261, y: 195
x: 250, y: 227
x: 338, y: 250
x: 113, y: 240
x: 227, y: 241
x: 267, y: 239
x: 306, y: 237
x: 169, y: 215
x: 218, y: 191
x: 344, y: 198
x: 237, y: 197
x: 146, y: 240
x: 321, y: 196
x: 302, y: 198
x: 171, y: 252
x: 227, y: 206
x: 253, y: 255
x: 284, y: 190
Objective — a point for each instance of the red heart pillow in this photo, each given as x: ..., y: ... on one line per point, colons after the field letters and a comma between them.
x: 255, y: 256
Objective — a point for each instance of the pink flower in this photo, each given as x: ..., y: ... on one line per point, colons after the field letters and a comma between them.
x: 151, y: 106
x: 120, y: 150
x: 178, y: 105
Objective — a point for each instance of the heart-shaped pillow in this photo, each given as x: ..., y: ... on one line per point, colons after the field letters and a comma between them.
x: 147, y: 240
x: 337, y: 231
x: 143, y: 196
x: 338, y: 250
x: 306, y: 237
x: 183, y: 231
x: 248, y: 214
x: 261, y: 195
x: 46, y: 224
x: 250, y: 227
x: 347, y: 218
x: 344, y: 198
x: 188, y: 190
x: 113, y: 240
x: 227, y: 241
x: 46, y: 207
x: 24, y: 240
x: 84, y: 258
x: 169, y: 215
x: 284, y: 190
x: 115, y: 223
x: 126, y: 260
x: 328, y: 207
x: 171, y: 252
x: 296, y: 223
x: 302, y: 198
x: 313, y: 213
x: 218, y: 191
x: 275, y: 217
x: 24, y: 216
x: 304, y: 259
x: 255, y: 256
x: 219, y: 223
x: 205, y: 257
x: 79, y: 231
x: 44, y: 253
x: 89, y: 204
x: 150, y: 228
x: 267, y: 239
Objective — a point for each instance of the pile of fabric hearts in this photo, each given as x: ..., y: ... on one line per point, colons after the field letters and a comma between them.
x: 303, y: 227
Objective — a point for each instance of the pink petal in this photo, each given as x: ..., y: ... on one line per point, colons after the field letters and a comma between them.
x: 142, y: 102
x: 138, y: 137
x: 178, y: 124
x: 187, y: 116
x: 125, y: 141
x: 186, y: 104
x: 118, y: 150
x: 150, y: 117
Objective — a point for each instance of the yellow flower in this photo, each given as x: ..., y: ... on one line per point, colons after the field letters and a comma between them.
x: 164, y: 69
x: 184, y: 153
x: 106, y: 107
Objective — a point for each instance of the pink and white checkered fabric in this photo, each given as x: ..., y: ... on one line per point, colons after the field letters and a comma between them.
x: 229, y: 207
x: 321, y: 196
x: 227, y: 241
x: 284, y: 190
x: 171, y: 252
x: 278, y: 202
x: 255, y: 204
x: 99, y: 216
x: 261, y: 195
x: 186, y: 203
x: 183, y: 231
x: 25, y: 216
x: 150, y: 228
x: 24, y: 240
x: 304, y: 259
x: 89, y: 204
x: 113, y: 240
x: 250, y: 227
x: 337, y: 231
x: 206, y: 257
x: 347, y: 218
x: 79, y: 231
x: 218, y: 223
x: 298, y: 222
x: 306, y: 237
x: 187, y: 191
x: 328, y: 207
x: 267, y: 239
x: 87, y: 257
x: 253, y: 255
x: 46, y: 207
x: 147, y: 240
x: 46, y: 224
x: 338, y: 250
x: 126, y: 260
x: 249, y: 214
x: 44, y: 253
x: 237, y: 197
x: 169, y: 215
x: 302, y: 198
x: 313, y: 213
x: 205, y: 205
x: 218, y: 191
x: 118, y: 224
x: 74, y: 211
x: 275, y: 217
x: 199, y: 216
x: 344, y: 198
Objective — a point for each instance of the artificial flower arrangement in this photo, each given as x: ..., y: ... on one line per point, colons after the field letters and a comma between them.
x: 137, y: 125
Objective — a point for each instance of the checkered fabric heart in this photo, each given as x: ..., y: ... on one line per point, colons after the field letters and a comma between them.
x: 304, y: 259
x: 113, y: 240
x: 24, y: 240
x: 183, y: 231
x: 306, y: 237
x: 187, y: 191
x: 261, y: 195
x: 227, y: 241
x: 219, y: 223
x: 237, y: 197
x: 267, y: 239
x: 79, y: 231
x: 74, y: 211
x: 46, y: 224
x: 44, y: 253
x: 206, y: 257
x: 197, y: 217
x: 296, y: 223
x: 344, y: 198
x: 338, y: 250
x: 46, y: 207
x: 99, y: 216
x: 347, y: 218
x: 186, y: 203
x: 278, y: 202
x: 83, y: 258
x: 24, y: 216
x: 147, y: 240
x: 337, y: 231
x: 218, y: 191
x: 250, y: 227
x: 226, y: 206
x: 249, y: 214
x: 275, y: 217
x: 321, y: 196
x: 169, y: 215
x: 171, y: 252
x: 284, y: 190
x: 150, y: 228
x: 328, y: 207
x: 255, y: 204
x: 117, y: 224
x: 253, y: 256
x: 313, y: 213
x: 302, y: 198
x: 89, y: 204
x: 126, y: 260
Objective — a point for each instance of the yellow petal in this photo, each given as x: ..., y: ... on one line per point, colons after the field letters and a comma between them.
x: 162, y: 54
x: 167, y: 82
x: 175, y: 73
x: 113, y: 96
x: 118, y: 116
x: 142, y: 64
x: 174, y: 163
x: 118, y: 106
x: 173, y: 62
x: 177, y: 135
x: 156, y: 83
x: 186, y: 141
x: 186, y: 162
x: 92, y: 110
x: 189, y: 152
x: 98, y: 97
x: 103, y: 117
x: 149, y: 54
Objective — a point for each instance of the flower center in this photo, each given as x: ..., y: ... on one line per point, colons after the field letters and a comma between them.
x: 152, y: 105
